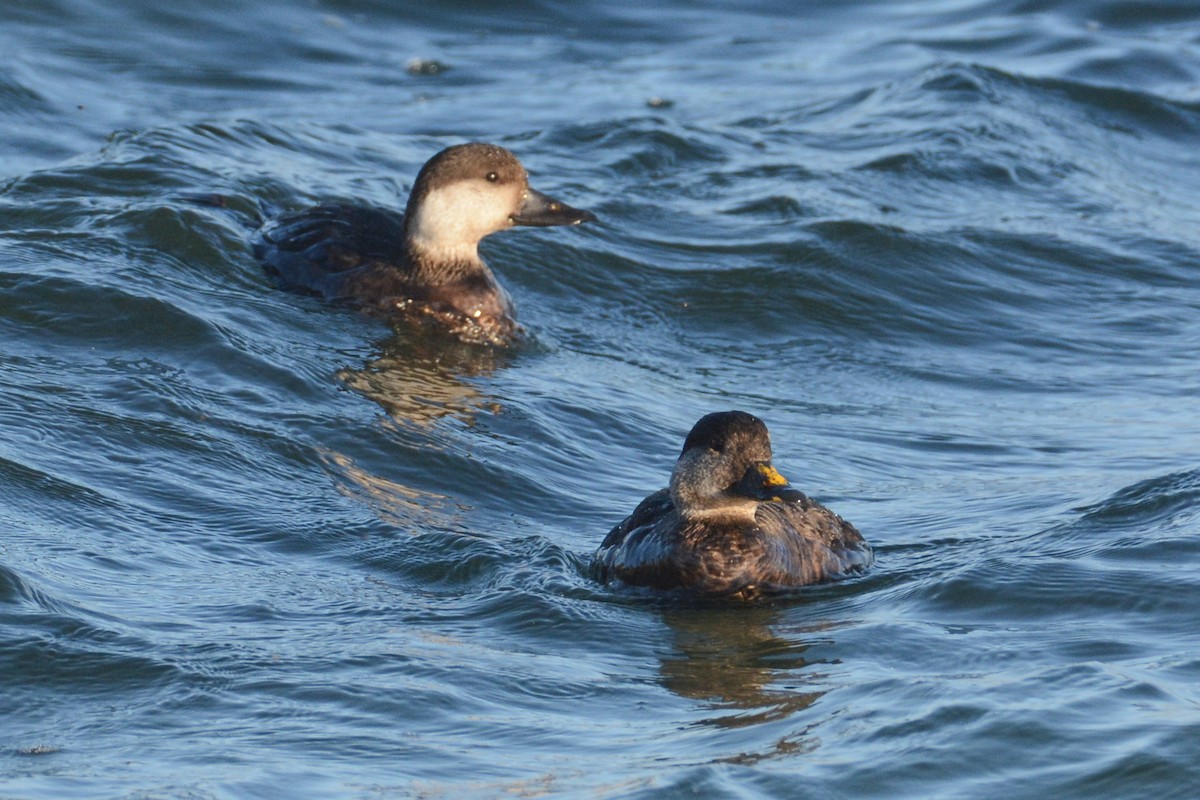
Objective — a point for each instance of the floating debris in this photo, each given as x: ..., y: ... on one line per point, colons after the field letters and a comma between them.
x: 660, y: 102
x: 425, y: 66
x: 37, y: 750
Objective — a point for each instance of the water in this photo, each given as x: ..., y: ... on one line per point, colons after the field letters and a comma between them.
x: 255, y: 545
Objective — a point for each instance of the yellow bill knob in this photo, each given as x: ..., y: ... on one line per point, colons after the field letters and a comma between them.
x: 771, y: 476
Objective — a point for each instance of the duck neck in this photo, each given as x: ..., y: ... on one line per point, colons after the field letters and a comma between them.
x: 435, y: 264
x: 739, y: 514
x: 710, y: 510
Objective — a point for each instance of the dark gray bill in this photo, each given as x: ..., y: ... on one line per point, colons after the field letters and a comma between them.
x: 541, y: 210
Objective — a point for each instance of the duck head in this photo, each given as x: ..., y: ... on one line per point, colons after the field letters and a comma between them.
x: 469, y: 191
x: 725, y: 469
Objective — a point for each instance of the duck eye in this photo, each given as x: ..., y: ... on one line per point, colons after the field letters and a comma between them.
x: 492, y: 177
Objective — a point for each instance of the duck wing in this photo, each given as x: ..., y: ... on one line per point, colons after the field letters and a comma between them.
x: 318, y: 250
x: 810, y: 543
x: 648, y: 513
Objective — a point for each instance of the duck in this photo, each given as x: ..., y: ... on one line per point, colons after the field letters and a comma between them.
x: 729, y: 524
x: 422, y: 265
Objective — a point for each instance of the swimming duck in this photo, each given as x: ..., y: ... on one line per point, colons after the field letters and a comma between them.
x: 423, y: 264
x: 729, y: 524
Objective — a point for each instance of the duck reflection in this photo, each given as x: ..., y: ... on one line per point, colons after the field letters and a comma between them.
x: 733, y: 662
x: 419, y: 380
x: 395, y: 503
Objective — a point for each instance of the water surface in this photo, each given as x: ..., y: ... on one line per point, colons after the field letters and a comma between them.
x: 257, y: 545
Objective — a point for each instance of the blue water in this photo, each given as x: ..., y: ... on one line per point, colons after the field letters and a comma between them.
x: 258, y: 545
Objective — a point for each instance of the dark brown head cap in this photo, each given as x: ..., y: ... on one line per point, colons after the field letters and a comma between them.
x: 464, y: 162
x: 736, y: 434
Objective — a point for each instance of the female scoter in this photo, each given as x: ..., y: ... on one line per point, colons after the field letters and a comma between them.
x: 424, y: 264
x: 730, y: 524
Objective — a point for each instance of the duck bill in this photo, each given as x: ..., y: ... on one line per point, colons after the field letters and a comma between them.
x: 763, y: 482
x: 541, y: 210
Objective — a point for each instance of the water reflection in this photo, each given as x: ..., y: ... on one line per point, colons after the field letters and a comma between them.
x: 733, y: 662
x: 395, y: 503
x: 419, y: 380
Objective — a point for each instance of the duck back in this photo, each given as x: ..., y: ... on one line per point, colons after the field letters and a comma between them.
x: 789, y: 544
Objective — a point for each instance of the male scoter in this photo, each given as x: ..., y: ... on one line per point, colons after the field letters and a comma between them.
x: 424, y: 264
x: 729, y: 525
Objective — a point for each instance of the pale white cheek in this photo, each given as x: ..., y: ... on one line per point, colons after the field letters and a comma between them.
x: 461, y: 213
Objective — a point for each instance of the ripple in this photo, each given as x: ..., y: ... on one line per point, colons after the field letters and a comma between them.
x: 1152, y: 502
